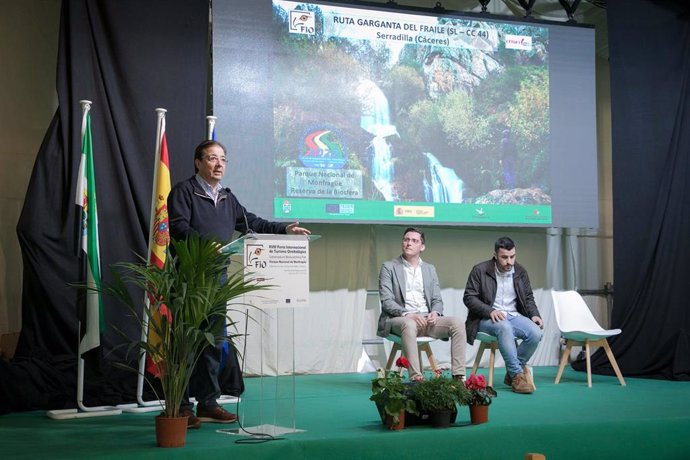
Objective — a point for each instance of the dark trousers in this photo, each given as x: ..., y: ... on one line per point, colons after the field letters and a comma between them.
x: 207, y: 382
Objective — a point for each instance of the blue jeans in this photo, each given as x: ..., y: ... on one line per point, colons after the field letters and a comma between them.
x: 515, y: 327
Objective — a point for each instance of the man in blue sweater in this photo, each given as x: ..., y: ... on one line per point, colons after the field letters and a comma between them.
x: 201, y: 205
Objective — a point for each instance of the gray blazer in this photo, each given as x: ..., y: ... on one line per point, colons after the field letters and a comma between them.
x: 392, y: 292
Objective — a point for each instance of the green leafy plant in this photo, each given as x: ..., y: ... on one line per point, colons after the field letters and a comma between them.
x: 480, y: 394
x: 390, y: 393
x: 188, y: 300
x: 440, y: 394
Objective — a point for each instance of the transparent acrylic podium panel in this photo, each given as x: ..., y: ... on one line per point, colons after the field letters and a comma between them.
x: 273, y: 404
x: 267, y: 346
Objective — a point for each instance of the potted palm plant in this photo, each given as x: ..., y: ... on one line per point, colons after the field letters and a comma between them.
x: 438, y: 397
x: 188, y: 300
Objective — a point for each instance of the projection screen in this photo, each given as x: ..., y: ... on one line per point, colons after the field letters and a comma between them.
x: 334, y: 112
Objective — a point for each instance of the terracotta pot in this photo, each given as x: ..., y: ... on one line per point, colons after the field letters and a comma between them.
x: 440, y: 419
x: 398, y: 426
x: 171, y: 431
x: 479, y: 414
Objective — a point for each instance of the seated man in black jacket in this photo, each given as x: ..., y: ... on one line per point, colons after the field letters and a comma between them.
x: 201, y: 205
x: 500, y: 302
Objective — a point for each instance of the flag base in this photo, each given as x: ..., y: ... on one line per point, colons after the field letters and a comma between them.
x: 68, y: 414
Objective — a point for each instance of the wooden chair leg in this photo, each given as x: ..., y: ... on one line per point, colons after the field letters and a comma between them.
x: 613, y: 362
x: 478, y: 358
x: 391, y: 356
x: 492, y: 360
x: 430, y: 356
x: 530, y: 376
x: 589, y: 365
x: 564, y: 360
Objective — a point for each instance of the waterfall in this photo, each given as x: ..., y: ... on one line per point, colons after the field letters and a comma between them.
x: 375, y: 119
x: 446, y: 186
x: 382, y: 167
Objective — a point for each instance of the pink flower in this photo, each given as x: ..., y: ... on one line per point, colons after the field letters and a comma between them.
x: 402, y: 362
x: 475, y: 382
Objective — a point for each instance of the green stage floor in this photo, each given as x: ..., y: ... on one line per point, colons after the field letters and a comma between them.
x: 647, y: 419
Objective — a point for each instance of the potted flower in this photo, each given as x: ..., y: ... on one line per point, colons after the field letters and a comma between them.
x: 391, y: 396
x: 187, y: 312
x: 439, y: 396
x: 480, y: 396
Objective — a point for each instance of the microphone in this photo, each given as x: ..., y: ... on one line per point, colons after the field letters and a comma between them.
x: 248, y: 231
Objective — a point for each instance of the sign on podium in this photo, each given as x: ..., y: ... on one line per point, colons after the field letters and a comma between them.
x: 282, y: 262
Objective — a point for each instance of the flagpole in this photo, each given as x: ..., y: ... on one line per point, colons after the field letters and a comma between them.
x: 83, y: 411
x: 154, y: 405
x: 211, y: 124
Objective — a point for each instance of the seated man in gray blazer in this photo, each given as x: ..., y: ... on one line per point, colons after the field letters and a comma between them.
x: 411, y: 306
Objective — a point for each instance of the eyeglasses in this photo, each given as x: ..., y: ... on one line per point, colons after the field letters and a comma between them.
x: 411, y: 240
x: 215, y: 159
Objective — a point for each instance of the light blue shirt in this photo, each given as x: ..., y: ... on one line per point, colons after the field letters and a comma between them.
x: 211, y: 192
x: 506, y: 297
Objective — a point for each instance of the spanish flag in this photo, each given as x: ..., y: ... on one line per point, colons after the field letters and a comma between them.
x: 159, y: 232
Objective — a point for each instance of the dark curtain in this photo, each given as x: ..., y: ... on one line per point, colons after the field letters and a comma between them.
x: 128, y: 57
x: 649, y: 44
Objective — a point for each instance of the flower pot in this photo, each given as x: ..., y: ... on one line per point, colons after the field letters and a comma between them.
x: 440, y: 419
x: 396, y: 426
x: 171, y: 431
x: 479, y: 414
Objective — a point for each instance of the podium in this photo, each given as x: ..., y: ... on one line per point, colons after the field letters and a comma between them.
x: 268, y: 341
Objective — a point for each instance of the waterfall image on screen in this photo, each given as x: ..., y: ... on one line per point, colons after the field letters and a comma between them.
x: 381, y: 115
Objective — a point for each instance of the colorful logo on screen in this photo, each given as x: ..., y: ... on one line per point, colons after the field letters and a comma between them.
x: 322, y: 148
x: 302, y: 22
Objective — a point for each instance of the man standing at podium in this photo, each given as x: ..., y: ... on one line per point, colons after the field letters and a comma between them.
x: 411, y: 306
x: 201, y: 205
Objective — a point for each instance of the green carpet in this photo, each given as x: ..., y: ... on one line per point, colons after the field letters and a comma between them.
x: 645, y: 419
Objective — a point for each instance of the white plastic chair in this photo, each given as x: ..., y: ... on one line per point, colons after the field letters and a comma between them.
x: 579, y: 328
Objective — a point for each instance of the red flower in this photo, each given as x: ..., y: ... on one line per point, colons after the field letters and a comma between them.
x: 475, y: 382
x: 402, y: 362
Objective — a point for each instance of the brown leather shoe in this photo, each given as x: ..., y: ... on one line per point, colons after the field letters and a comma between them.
x: 193, y: 423
x: 215, y: 415
x: 508, y: 380
x: 521, y: 385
